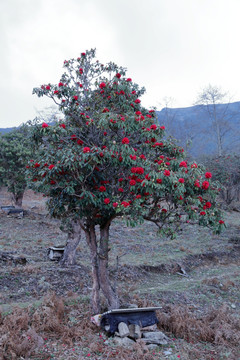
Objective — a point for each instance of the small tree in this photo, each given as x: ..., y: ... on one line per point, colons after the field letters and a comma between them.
x: 213, y: 101
x: 14, y: 154
x: 107, y: 158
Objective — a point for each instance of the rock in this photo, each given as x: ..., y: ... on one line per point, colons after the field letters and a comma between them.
x: 152, y: 346
x: 125, y: 342
x: 156, y: 337
x: 123, y: 329
x: 150, y: 328
x: 168, y: 352
x: 134, y: 331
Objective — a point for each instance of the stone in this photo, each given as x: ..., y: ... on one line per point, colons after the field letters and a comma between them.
x: 150, y: 328
x: 168, y: 352
x: 125, y: 342
x: 123, y: 329
x: 156, y: 337
x: 134, y: 331
x: 152, y: 346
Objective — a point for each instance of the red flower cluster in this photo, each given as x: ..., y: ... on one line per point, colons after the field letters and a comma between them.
x: 86, y: 149
x: 183, y: 164
x: 137, y: 170
x: 102, y: 189
x: 208, y: 175
x: 51, y: 166
x: 44, y: 125
x: 106, y: 201
x: 181, y: 180
x: 205, y: 185
x: 102, y: 85
x: 167, y: 173
x: 125, y: 140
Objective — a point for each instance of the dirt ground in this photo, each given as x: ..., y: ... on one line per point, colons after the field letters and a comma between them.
x: 191, y: 277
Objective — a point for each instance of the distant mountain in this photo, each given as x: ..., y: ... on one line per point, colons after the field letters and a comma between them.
x: 6, y: 130
x: 194, y: 128
x: 196, y: 125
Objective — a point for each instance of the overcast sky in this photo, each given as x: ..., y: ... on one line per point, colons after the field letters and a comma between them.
x: 172, y: 47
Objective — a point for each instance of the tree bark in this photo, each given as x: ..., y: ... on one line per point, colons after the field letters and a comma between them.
x: 107, y: 289
x: 92, y: 243
x: 18, y: 198
x: 100, y: 274
x: 74, y: 237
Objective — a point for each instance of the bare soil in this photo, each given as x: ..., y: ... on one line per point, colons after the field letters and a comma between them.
x: 195, y: 278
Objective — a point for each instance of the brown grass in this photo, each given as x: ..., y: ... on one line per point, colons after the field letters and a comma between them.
x: 218, y: 326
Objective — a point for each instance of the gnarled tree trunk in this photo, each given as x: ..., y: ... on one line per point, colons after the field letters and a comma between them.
x: 100, y: 274
x: 74, y: 237
x: 18, y: 198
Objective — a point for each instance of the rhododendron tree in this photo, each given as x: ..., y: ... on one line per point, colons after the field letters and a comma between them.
x: 107, y: 158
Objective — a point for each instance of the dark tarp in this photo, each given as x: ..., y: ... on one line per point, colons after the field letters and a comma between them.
x: 141, y: 318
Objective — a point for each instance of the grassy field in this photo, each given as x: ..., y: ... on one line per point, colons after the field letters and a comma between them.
x: 45, y: 307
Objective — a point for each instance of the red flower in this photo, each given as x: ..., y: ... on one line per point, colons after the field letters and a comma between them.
x: 75, y: 97
x: 120, y: 179
x: 48, y: 87
x: 142, y: 157
x: 159, y: 181
x: 153, y: 126
x: 105, y: 110
x: 164, y: 210
x: 138, y: 197
x: 79, y: 142
x: 118, y: 75
x: 86, y: 150
x: 102, y: 189
x: 115, y: 204
x: 138, y: 113
x: 83, y: 53
x: 120, y: 190
x: 221, y: 222
x: 202, y: 213
x: 52, y: 182
x: 183, y: 164
x: 56, y: 91
x: 137, y: 101
x: 129, y: 79
x: 62, y: 126
x: 125, y: 203
x: 102, y: 85
x: 133, y: 157
x: 197, y: 184
x: 44, y: 125
x: 60, y: 84
x: 162, y: 127
x: 51, y: 166
x: 208, y: 175
x: 132, y: 182
x: 106, y: 201
x: 125, y: 140
x: 167, y: 173
x: 81, y: 71
x: 208, y: 205
x: 194, y: 165
x: 181, y: 180
x: 36, y: 165
x: 205, y: 185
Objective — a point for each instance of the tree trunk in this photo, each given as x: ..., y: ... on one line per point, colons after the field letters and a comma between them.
x: 74, y: 237
x: 108, y: 291
x: 100, y: 273
x: 92, y: 243
x: 18, y: 198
